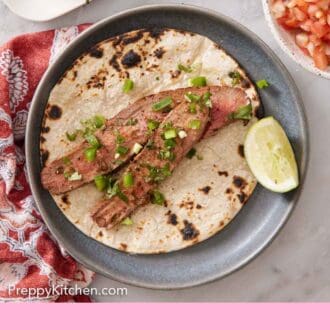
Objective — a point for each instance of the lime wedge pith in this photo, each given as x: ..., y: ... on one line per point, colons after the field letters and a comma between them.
x: 270, y: 156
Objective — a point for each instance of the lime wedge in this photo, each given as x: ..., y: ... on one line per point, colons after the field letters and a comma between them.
x: 270, y: 156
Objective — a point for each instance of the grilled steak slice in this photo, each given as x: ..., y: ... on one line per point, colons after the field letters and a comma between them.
x: 52, y: 175
x: 224, y: 99
x: 183, y: 128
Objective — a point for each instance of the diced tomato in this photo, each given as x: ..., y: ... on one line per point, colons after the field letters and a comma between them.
x: 299, y: 14
x: 320, y: 58
x: 302, y: 39
x: 309, y: 21
x: 306, y: 26
x: 319, y: 30
x: 315, y: 40
x: 291, y: 23
x: 302, y: 5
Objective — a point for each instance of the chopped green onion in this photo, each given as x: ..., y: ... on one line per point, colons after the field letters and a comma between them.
x: 157, y: 197
x: 127, y: 222
x: 236, y: 77
x: 114, y: 190
x: 166, y: 154
x: 182, y: 134
x: 244, y: 112
x: 158, y: 174
x: 137, y: 148
x: 128, y: 180
x: 163, y: 104
x: 207, y: 99
x: 75, y: 176
x: 99, y: 121
x: 101, y: 182
x: 120, y: 139
x: 90, y: 154
x: 262, y: 83
x: 170, y: 134
x: 152, y: 124
x: 169, y: 144
x: 128, y: 85
x: 192, y: 98
x: 191, y: 153
x: 93, y: 140
x: 67, y: 174
x: 168, y: 125
x: 195, y: 124
x: 131, y: 122
x: 71, y: 137
x: 121, y: 150
x: 66, y: 160
x: 184, y: 68
x: 197, y: 81
x: 192, y: 108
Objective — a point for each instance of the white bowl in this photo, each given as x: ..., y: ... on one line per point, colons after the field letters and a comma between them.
x: 287, y: 43
x: 43, y: 10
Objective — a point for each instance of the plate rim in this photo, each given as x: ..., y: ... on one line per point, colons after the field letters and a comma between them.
x: 303, y: 123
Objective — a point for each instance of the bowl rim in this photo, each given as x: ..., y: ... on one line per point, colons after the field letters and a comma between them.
x: 304, y: 157
x: 277, y: 31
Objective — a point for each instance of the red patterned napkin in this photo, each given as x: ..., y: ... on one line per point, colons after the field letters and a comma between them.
x: 30, y: 257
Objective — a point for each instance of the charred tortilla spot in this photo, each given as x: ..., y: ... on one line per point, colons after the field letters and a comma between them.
x: 221, y: 224
x: 54, y: 112
x: 241, y: 150
x: 198, y: 206
x: 65, y: 199
x: 45, y: 129
x: 130, y: 59
x: 189, y: 231
x: 172, y: 218
x: 159, y: 52
x: 229, y: 191
x: 245, y: 83
x: 223, y: 173
x: 132, y: 38
x: 260, y: 112
x: 175, y: 74
x: 96, y: 52
x: 205, y: 189
x: 156, y: 32
x: 44, y: 157
x: 242, y: 197
x: 42, y: 139
x: 98, y: 80
x: 100, y: 233
x: 239, y: 182
x: 187, y: 204
x: 114, y: 63
x: 123, y: 246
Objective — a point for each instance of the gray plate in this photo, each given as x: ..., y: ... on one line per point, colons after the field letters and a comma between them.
x: 258, y: 222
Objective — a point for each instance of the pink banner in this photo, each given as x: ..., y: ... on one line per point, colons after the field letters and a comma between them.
x: 167, y: 316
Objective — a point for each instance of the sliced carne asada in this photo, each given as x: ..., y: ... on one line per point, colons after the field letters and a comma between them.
x: 148, y: 168
x: 131, y: 129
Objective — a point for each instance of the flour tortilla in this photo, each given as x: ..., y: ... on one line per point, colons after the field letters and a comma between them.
x: 203, y: 196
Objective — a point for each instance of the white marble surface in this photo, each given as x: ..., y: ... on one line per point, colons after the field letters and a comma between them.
x: 296, y: 266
